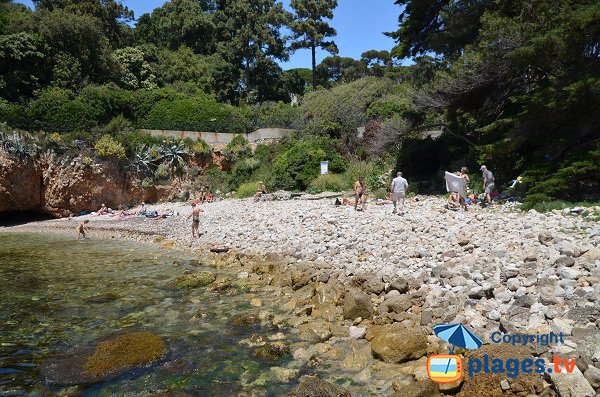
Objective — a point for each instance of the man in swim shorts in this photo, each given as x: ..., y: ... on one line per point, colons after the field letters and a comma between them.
x: 195, y: 220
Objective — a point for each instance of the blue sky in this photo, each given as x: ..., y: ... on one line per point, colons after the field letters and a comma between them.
x: 360, y: 25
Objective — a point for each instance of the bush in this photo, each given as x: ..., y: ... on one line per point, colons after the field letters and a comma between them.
x: 248, y: 189
x: 194, y: 172
x: 329, y: 183
x: 238, y: 148
x: 198, y: 113
x: 241, y: 172
x: 147, y: 183
x: 56, y: 110
x: 107, y: 146
x: 297, y: 166
x: 162, y: 173
x: 200, y: 148
x: 278, y: 115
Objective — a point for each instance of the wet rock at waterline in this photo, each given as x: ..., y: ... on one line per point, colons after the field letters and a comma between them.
x: 395, y: 344
x: 108, y: 359
x: 314, y: 387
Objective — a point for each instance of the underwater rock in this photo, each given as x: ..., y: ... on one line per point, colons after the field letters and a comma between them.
x: 246, y: 320
x: 272, y: 351
x: 103, y: 298
x: 195, y: 280
x: 108, y: 359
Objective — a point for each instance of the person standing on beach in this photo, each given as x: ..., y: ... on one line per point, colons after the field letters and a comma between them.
x: 398, y: 188
x: 488, y: 183
x: 81, y: 230
x: 195, y: 220
x: 359, y: 193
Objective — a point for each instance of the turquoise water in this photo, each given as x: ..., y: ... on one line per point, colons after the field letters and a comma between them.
x: 57, y: 295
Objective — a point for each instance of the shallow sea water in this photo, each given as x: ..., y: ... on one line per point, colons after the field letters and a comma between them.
x: 57, y: 295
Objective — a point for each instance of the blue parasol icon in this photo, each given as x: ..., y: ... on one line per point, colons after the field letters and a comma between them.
x: 457, y: 335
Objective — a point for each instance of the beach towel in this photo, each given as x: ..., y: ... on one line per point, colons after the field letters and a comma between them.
x: 457, y: 184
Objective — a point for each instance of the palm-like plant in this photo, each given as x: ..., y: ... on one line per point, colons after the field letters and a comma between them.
x: 16, y: 144
x: 174, y: 155
x: 143, y: 160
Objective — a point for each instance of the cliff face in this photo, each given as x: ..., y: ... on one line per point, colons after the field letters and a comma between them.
x: 20, y: 184
x: 63, y: 187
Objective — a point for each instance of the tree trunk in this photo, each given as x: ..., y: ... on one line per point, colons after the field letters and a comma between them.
x: 314, y: 65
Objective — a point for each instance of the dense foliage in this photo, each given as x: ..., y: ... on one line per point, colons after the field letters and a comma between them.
x: 514, y: 84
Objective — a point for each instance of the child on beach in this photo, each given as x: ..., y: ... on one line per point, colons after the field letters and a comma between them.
x: 81, y: 230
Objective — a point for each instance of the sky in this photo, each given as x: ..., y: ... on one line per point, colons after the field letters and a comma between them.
x: 360, y: 25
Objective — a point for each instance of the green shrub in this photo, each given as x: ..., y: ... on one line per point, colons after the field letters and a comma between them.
x: 248, y: 189
x: 278, y: 115
x: 238, y: 148
x: 107, y: 146
x: 198, y: 113
x: 213, y: 179
x: 299, y: 162
x: 194, y: 172
x: 162, y: 173
x: 55, y: 109
x: 329, y: 183
x: 241, y: 172
x: 147, y: 183
x: 200, y: 148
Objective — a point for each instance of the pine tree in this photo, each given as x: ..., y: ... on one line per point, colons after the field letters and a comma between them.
x: 311, y: 29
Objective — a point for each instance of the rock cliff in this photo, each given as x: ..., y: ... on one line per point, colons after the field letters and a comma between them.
x: 63, y: 187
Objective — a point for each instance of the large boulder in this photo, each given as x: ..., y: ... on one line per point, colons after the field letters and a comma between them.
x: 396, y: 344
x: 314, y: 387
x: 572, y: 385
x: 357, y: 304
x: 107, y: 359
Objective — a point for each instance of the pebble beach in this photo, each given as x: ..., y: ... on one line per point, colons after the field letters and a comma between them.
x: 489, y: 268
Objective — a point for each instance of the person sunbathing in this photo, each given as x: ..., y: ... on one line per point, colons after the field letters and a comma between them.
x: 454, y: 201
x: 210, y: 198
x: 103, y: 210
x: 261, y: 190
x: 142, y: 209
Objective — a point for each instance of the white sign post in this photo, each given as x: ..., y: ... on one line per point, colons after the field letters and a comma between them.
x: 324, y: 167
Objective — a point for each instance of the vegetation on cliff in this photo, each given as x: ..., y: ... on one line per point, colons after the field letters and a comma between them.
x: 514, y: 85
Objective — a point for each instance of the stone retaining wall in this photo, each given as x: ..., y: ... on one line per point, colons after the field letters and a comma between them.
x: 223, y: 138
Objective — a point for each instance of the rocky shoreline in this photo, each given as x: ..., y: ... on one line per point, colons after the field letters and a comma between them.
x: 363, y: 290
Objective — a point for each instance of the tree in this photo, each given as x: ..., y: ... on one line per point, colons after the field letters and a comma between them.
x: 179, y: 23
x: 112, y: 15
x: 135, y: 71
x: 76, y: 37
x: 443, y: 27
x: 340, y: 69
x: 249, y: 38
x: 310, y: 28
x: 23, y: 60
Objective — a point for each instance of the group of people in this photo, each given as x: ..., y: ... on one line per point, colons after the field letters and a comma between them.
x: 205, y: 198
x: 396, y: 195
x: 460, y: 199
x: 397, y: 192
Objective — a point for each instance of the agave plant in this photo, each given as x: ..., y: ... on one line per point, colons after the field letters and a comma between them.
x: 174, y: 155
x: 143, y: 160
x: 17, y: 144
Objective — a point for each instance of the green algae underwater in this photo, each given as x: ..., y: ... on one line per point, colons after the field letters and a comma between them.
x: 58, y: 296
